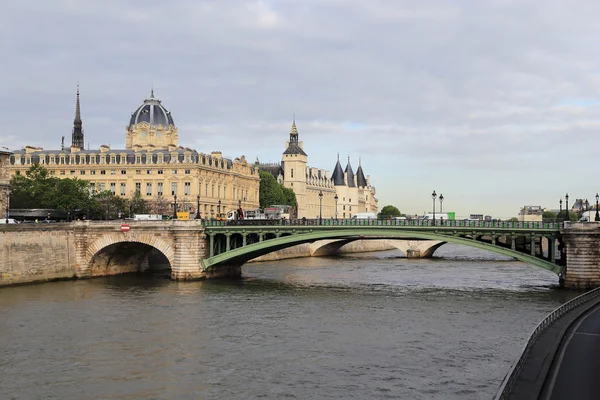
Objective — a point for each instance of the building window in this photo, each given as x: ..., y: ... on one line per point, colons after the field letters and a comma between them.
x: 113, y: 187
x: 187, y: 171
x: 19, y: 173
x: 173, y: 188
x: 292, y: 172
x: 187, y: 188
x: 148, y: 189
x: 344, y: 207
x: 123, y: 187
x: 138, y: 171
x: 206, y: 190
x: 102, y: 186
x: 138, y: 159
x: 160, y: 171
x: 174, y: 172
x: 159, y: 188
x: 138, y: 187
x: 113, y: 172
x: 102, y: 172
x: 82, y: 172
x: 93, y: 172
x: 62, y: 172
x: 113, y: 160
x: 92, y: 188
x: 123, y: 172
x: 148, y: 172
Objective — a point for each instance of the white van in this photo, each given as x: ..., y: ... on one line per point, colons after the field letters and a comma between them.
x: 10, y: 221
x: 365, y: 215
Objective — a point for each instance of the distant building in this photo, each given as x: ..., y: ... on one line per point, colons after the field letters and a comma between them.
x: 354, y: 191
x: 580, y: 205
x: 4, y: 179
x: 530, y: 214
x: 152, y: 164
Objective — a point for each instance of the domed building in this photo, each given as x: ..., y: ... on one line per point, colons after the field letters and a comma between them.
x: 152, y: 164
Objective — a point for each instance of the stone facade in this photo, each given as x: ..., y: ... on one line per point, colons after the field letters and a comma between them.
x: 152, y: 164
x: 4, y: 181
x: 316, y: 189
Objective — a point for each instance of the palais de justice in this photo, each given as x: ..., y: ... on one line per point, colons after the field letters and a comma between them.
x: 154, y: 165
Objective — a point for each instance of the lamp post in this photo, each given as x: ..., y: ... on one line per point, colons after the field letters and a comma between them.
x: 433, y: 196
x: 320, y: 207
x: 560, y: 209
x: 567, y: 206
x: 336, y: 201
x: 198, y: 206
x: 7, y: 205
x: 441, y: 201
x: 175, y: 207
x: 212, y: 211
x: 219, y: 208
x: 597, y: 218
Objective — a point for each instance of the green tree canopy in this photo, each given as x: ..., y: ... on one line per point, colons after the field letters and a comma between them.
x: 549, y: 215
x: 389, y: 211
x: 271, y: 192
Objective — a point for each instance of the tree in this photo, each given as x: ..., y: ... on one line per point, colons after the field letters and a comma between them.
x: 160, y: 205
x: 389, y: 211
x: 107, y: 205
x: 137, y: 204
x: 271, y: 192
x: 513, y: 219
x: 549, y: 215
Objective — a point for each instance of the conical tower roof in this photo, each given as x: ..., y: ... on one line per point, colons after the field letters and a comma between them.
x: 338, y: 174
x: 294, y: 146
x: 360, y: 176
x: 350, y: 174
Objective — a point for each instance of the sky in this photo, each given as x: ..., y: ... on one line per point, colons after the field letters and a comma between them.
x: 495, y: 104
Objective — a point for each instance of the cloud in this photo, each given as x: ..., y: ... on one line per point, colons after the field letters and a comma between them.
x: 502, y: 93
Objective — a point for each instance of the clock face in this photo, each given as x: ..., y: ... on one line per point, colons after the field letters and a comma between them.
x: 159, y: 135
x: 143, y: 134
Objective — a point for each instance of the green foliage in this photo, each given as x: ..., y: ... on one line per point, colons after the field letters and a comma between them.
x: 513, y: 219
x: 138, y: 205
x: 271, y: 192
x: 549, y: 215
x: 389, y: 211
x: 37, y: 189
x: 107, y: 206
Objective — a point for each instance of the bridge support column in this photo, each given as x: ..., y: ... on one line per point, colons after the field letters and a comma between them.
x: 227, y: 241
x: 212, y: 245
x: 190, y: 248
x: 513, y: 242
x: 532, y: 245
x: 551, y: 249
x: 582, y: 242
x: 417, y: 248
x: 244, y: 239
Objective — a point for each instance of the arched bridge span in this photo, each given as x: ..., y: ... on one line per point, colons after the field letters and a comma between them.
x: 522, y: 244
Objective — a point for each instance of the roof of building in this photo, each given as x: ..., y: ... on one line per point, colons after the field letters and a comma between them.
x: 293, y: 145
x: 360, y: 176
x: 350, y: 174
x: 152, y: 112
x: 273, y: 169
x: 338, y: 174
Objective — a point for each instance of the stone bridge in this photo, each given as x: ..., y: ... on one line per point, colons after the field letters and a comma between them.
x: 195, y: 250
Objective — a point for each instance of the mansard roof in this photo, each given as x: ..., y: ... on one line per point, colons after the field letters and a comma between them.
x: 274, y: 169
x: 338, y: 174
x: 350, y: 175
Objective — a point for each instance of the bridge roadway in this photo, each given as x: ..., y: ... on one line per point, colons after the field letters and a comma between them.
x: 562, y: 357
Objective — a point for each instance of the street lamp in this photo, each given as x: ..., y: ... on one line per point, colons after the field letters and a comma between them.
x: 441, y: 201
x: 175, y: 207
x: 7, y: 204
x: 320, y: 207
x: 219, y: 208
x: 597, y: 215
x: 567, y: 206
x: 212, y: 211
x: 336, y: 201
x: 198, y: 206
x: 433, y: 196
x: 560, y: 209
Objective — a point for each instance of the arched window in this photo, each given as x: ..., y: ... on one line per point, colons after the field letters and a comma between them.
x: 292, y: 172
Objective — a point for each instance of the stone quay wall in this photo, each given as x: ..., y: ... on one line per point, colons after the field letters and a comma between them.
x: 36, y: 253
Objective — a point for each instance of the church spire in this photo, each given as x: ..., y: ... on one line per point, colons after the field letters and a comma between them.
x: 77, y: 137
x: 294, y: 131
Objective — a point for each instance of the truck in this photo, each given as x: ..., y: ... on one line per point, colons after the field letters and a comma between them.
x: 438, y: 216
x: 364, y: 215
x: 147, y: 217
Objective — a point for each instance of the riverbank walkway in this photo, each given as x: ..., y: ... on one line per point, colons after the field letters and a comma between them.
x: 561, y: 360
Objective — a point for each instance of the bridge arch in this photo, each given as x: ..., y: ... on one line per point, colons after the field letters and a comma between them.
x: 131, y: 249
x: 243, y: 254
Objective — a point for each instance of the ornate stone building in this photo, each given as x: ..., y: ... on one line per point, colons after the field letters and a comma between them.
x: 152, y: 163
x: 317, y: 192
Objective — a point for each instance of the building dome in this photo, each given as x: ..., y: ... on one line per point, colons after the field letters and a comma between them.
x: 152, y: 112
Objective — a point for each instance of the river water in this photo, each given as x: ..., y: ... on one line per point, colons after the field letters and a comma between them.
x: 368, y: 326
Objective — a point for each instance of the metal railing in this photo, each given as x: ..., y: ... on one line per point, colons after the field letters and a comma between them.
x: 513, y: 374
x: 387, y: 222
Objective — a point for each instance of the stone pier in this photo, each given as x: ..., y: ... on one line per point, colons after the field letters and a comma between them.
x: 583, y: 254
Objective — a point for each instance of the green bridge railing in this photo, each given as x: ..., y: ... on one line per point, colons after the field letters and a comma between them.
x: 385, y: 222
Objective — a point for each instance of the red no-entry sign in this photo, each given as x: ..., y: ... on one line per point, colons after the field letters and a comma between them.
x: 125, y: 228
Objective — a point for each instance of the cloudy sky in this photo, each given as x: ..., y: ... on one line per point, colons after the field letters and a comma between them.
x: 493, y: 103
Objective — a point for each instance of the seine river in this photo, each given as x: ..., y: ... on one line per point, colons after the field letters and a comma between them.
x: 368, y: 326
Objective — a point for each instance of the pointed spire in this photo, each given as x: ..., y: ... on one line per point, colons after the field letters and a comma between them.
x: 77, y: 136
x: 152, y: 90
